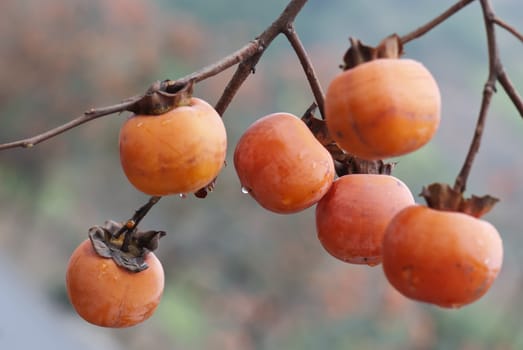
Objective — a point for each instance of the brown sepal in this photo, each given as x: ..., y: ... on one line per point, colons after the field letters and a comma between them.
x: 354, y: 165
x: 317, y: 126
x: 443, y: 197
x: 344, y: 162
x: 127, y: 250
x: 163, y: 96
x: 358, y: 53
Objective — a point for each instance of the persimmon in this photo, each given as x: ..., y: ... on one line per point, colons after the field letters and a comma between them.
x: 176, y: 152
x: 282, y: 165
x: 441, y: 257
x: 383, y: 108
x: 352, y: 217
x: 108, y: 295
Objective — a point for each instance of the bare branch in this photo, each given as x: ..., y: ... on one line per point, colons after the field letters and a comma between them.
x: 225, y: 63
x: 490, y: 87
x: 247, y: 66
x: 308, y: 68
x: 435, y: 22
x: 248, y: 55
x: 507, y: 27
x: 91, y: 114
x: 242, y: 72
x: 511, y: 91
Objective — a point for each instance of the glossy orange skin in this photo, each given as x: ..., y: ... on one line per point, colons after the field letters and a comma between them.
x: 177, y: 152
x: 352, y: 217
x: 445, y: 258
x: 107, y: 295
x: 282, y: 165
x: 383, y: 108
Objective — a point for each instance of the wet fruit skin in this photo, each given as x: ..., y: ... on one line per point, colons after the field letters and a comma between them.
x: 107, y: 295
x: 383, y: 108
x: 282, y: 165
x: 176, y: 152
x: 445, y: 258
x: 352, y: 217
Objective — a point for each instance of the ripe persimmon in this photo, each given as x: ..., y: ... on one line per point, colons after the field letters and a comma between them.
x: 441, y: 257
x: 108, y: 295
x: 352, y: 217
x: 383, y: 108
x: 176, y: 152
x: 282, y: 165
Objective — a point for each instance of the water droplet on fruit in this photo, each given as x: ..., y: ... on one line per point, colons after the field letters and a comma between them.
x: 183, y: 195
x: 245, y: 190
x: 139, y: 124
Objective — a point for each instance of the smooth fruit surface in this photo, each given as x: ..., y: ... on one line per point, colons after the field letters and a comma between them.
x: 445, y: 258
x: 383, y: 108
x: 352, y: 217
x: 282, y: 165
x: 177, y: 152
x: 110, y: 296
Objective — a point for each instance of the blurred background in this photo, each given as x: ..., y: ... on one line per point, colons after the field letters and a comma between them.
x: 237, y: 276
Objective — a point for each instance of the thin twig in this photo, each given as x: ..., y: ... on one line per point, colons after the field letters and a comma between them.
x: 240, y: 75
x: 91, y: 114
x: 248, y: 55
x: 225, y: 63
x: 435, y: 22
x: 139, y: 214
x: 308, y: 68
x: 507, y: 27
x: 246, y: 67
x: 511, y: 91
x: 490, y: 87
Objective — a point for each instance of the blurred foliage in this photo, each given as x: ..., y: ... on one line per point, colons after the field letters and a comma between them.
x: 240, y: 277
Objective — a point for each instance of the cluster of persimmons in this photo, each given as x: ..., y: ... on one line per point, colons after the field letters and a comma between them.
x: 381, y: 106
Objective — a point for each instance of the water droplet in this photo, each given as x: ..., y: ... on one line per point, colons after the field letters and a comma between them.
x: 139, y: 124
x: 245, y: 190
x: 314, y: 165
x: 183, y: 195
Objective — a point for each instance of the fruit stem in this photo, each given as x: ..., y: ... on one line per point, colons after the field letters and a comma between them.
x: 163, y: 96
x: 132, y: 223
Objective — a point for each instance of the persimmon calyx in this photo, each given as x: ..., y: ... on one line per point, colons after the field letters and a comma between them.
x: 390, y: 47
x: 443, y: 197
x: 318, y: 127
x: 163, y: 96
x: 345, y: 163
x: 127, y: 250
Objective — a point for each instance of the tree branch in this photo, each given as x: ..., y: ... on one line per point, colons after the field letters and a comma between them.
x: 435, y: 22
x: 264, y: 39
x: 490, y: 87
x: 511, y: 91
x: 248, y: 55
x: 91, y: 114
x: 308, y: 68
x: 507, y: 27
